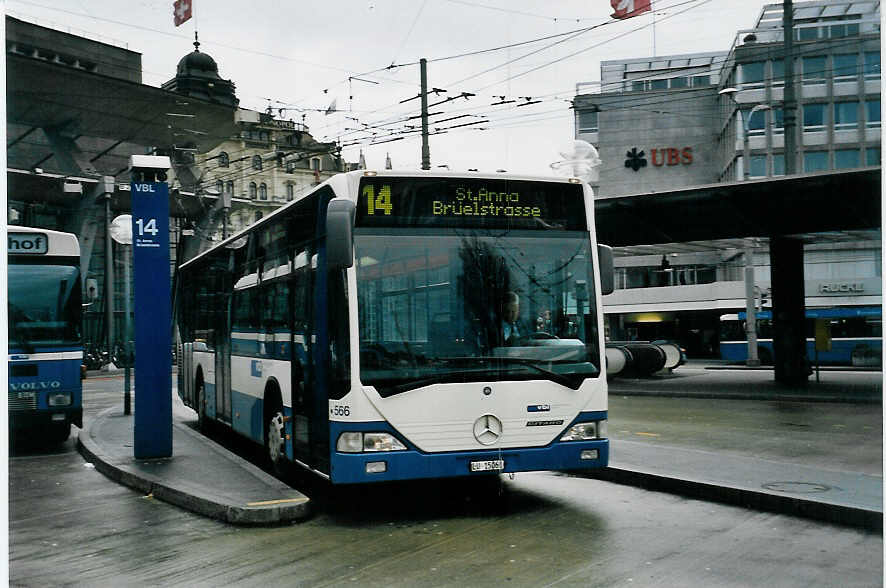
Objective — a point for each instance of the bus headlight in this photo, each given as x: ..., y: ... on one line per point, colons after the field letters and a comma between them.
x: 585, y: 431
x: 59, y: 400
x: 381, y: 442
x: 355, y: 442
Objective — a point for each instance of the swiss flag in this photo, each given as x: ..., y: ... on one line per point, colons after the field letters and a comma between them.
x: 629, y: 8
x: 181, y: 11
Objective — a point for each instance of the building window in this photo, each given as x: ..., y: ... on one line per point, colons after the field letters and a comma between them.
x: 290, y: 192
x: 219, y: 186
x: 814, y: 71
x: 263, y: 191
x: 872, y: 156
x: 229, y: 187
x: 843, y: 30
x: 659, y: 84
x: 256, y: 162
x: 872, y: 65
x: 701, y: 80
x: 777, y: 121
x: 638, y: 85
x: 680, y: 82
x: 756, y: 124
x: 806, y: 33
x: 815, y: 161
x: 872, y: 114
x: 223, y: 159
x: 847, y: 158
x: 778, y: 73
x: 315, y: 164
x: 588, y: 121
x: 845, y: 115
x: 258, y: 216
x: 290, y: 166
x: 778, y: 164
x: 253, y: 190
x: 758, y: 166
x: 813, y: 117
x: 751, y: 74
x: 846, y: 67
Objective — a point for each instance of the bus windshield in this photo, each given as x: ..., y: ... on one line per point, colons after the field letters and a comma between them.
x: 44, y: 306
x: 468, y: 305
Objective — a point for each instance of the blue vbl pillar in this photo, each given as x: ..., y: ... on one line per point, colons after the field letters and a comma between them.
x: 153, y: 341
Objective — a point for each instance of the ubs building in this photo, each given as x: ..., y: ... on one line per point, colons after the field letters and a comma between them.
x: 668, y: 122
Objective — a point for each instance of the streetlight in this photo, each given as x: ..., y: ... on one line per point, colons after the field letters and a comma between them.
x: 746, y: 155
x: 749, y: 281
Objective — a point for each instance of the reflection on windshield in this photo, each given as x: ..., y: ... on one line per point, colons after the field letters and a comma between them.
x: 450, y: 306
x: 44, y: 306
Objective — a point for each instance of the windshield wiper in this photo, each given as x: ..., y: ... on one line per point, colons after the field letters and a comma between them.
x: 573, y: 383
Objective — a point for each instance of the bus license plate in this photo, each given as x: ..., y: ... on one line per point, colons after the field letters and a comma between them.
x: 488, y: 465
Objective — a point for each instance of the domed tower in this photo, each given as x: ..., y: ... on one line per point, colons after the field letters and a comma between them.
x: 197, y: 76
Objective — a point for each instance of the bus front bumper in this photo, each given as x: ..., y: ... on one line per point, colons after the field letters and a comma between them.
x: 21, y: 420
x: 360, y: 468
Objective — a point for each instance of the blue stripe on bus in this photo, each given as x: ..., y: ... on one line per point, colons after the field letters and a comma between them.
x: 350, y: 468
x: 825, y: 313
x: 840, y: 353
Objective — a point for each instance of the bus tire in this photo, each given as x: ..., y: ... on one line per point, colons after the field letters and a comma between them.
x: 59, y: 433
x: 275, y: 430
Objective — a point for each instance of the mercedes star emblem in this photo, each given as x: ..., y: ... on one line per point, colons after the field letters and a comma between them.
x: 487, y: 429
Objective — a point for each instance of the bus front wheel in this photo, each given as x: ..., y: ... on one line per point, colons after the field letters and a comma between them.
x: 59, y: 433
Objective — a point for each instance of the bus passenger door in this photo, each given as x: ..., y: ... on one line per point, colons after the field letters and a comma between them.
x: 302, y: 329
x: 223, y: 360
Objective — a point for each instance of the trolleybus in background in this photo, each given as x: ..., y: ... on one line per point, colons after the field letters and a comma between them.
x: 856, y: 335
x: 358, y: 331
x: 45, y: 346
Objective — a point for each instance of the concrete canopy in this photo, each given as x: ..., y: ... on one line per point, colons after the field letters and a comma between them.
x: 786, y: 206
x: 77, y: 103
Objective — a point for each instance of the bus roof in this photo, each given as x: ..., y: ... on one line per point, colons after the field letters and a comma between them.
x: 37, y: 242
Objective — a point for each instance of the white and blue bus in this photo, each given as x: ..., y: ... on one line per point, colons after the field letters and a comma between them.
x: 856, y: 335
x: 357, y: 331
x: 45, y: 346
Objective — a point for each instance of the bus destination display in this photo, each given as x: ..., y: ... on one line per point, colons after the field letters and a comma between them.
x: 441, y: 202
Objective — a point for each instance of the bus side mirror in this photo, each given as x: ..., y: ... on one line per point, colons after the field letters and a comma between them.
x: 340, y: 214
x: 607, y: 269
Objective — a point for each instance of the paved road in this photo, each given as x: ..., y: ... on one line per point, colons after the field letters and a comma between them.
x: 69, y: 524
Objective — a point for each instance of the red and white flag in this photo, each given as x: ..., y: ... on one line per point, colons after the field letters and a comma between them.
x: 629, y: 8
x: 181, y: 11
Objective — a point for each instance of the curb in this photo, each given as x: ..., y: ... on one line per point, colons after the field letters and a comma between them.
x: 749, y: 396
x: 192, y: 500
x: 870, y: 520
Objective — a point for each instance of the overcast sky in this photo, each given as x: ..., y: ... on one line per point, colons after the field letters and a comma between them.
x: 299, y: 56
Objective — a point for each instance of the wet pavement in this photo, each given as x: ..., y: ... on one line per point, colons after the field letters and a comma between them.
x: 205, y: 478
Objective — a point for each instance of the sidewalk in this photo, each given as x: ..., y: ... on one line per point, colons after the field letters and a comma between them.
x: 201, y: 476
x: 713, y: 379
x: 846, y: 498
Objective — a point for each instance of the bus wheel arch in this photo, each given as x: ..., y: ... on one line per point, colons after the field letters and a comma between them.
x: 274, y: 426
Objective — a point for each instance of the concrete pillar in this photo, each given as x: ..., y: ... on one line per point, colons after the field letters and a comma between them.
x: 788, y: 311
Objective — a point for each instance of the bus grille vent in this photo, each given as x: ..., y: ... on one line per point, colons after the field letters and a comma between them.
x: 22, y: 401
